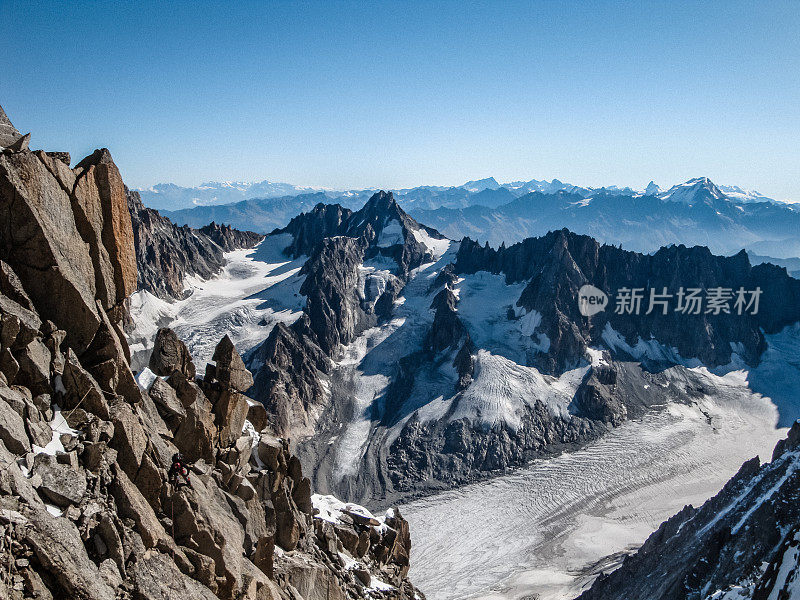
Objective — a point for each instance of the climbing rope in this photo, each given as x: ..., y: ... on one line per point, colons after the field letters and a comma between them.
x: 172, y: 521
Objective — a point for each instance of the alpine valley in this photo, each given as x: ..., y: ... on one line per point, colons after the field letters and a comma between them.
x: 394, y: 394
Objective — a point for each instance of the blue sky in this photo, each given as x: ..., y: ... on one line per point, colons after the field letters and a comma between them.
x: 352, y: 95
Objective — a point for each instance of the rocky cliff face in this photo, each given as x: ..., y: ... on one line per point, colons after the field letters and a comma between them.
x: 166, y: 253
x: 743, y: 543
x: 86, y: 507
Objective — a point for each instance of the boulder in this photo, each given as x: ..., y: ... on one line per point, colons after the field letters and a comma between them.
x: 245, y: 490
x: 81, y: 388
x: 59, y: 548
x: 40, y: 433
x: 34, y: 364
x: 61, y: 484
x: 301, y: 494
x: 230, y: 369
x: 263, y: 556
x: 362, y: 519
x: 195, y: 435
x: 287, y: 521
x: 363, y: 574
x: 12, y: 426
x: 13, y: 482
x: 269, y: 450
x: 170, y: 354
x: 20, y: 325
x: 130, y: 439
x: 230, y: 412
x: 166, y: 400
x: 257, y: 415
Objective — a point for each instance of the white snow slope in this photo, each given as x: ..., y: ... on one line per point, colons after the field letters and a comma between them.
x: 256, y: 289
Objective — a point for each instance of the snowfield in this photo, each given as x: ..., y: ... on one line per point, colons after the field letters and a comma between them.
x: 257, y: 288
x: 549, y: 529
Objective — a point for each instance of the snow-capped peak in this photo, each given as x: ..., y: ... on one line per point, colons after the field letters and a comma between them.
x: 652, y: 189
x: 741, y: 195
x: 489, y: 183
x: 692, y: 191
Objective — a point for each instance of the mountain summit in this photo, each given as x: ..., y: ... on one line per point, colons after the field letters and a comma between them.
x: 693, y: 191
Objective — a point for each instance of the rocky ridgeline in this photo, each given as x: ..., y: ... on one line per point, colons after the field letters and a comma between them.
x: 440, y: 454
x: 166, y: 254
x: 338, y: 242
x: 743, y: 542
x: 559, y: 263
x: 228, y: 238
x: 554, y: 267
x: 86, y: 509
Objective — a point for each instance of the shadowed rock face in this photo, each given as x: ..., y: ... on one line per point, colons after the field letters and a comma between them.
x: 228, y: 238
x: 746, y: 535
x: 97, y: 519
x: 166, y: 254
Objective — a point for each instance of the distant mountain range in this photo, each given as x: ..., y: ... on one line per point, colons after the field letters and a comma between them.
x: 172, y: 197
x: 168, y: 196
x: 697, y: 212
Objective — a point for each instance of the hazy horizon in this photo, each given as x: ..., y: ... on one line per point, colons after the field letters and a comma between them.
x: 663, y: 186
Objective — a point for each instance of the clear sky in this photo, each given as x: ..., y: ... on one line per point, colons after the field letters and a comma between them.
x: 391, y: 95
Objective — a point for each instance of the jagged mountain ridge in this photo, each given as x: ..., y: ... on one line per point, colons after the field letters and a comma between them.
x: 166, y: 254
x: 339, y: 242
x: 183, y: 200
x: 688, y: 214
x: 260, y: 214
x: 538, y: 280
x: 86, y: 511
x: 558, y: 264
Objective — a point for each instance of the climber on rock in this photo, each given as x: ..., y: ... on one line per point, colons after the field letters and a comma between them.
x: 179, y: 471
